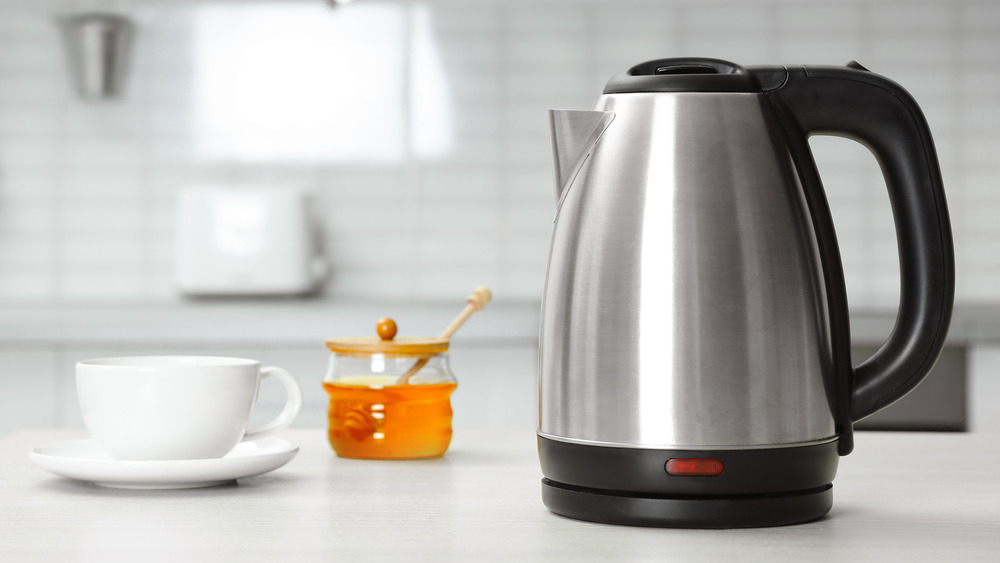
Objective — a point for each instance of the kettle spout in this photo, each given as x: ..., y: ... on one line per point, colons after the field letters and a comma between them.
x: 574, y: 135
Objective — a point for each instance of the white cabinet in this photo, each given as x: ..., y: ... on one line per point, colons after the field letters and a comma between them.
x: 494, y: 357
x: 28, y: 388
x: 984, y: 388
x: 496, y: 387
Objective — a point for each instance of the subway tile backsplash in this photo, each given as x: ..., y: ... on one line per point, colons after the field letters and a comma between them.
x: 421, y: 128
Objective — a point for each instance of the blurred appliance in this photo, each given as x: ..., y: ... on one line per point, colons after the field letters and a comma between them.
x: 695, y: 358
x: 253, y: 241
x: 97, y: 49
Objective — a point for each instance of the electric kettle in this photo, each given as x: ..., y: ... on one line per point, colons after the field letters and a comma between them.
x: 695, y: 365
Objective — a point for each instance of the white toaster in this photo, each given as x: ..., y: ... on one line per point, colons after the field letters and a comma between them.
x: 247, y: 241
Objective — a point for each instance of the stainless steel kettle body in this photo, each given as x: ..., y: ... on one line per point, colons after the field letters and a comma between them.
x: 694, y: 306
x: 684, y: 302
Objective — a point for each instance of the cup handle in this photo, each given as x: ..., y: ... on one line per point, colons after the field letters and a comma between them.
x: 293, y: 404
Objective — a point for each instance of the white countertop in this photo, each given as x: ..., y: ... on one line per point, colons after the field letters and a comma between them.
x: 303, y: 321
x: 277, y: 322
x: 899, y: 497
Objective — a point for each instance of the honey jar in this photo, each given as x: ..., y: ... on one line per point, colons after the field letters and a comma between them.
x: 390, y: 398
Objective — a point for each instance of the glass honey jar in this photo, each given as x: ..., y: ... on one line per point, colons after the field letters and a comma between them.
x: 390, y: 398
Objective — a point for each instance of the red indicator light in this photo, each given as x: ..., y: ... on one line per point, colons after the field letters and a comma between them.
x: 694, y: 467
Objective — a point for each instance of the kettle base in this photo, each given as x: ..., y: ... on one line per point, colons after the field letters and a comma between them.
x: 687, y: 511
x: 756, y: 487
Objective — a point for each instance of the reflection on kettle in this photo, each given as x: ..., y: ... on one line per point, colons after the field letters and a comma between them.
x: 695, y: 345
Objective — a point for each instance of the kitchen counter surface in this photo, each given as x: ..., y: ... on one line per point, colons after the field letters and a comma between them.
x: 302, y: 321
x: 899, y: 497
x: 275, y: 322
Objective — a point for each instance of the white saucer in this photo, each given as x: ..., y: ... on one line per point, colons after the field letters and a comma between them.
x: 84, y: 460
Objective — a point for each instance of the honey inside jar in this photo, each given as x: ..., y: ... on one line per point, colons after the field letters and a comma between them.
x: 373, y: 417
x: 390, y: 398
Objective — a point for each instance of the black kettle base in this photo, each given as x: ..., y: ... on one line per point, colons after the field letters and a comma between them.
x: 759, y: 511
x: 755, y: 487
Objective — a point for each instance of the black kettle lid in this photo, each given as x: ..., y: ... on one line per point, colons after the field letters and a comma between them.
x: 687, y: 74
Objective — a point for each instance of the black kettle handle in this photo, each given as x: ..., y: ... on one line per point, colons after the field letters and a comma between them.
x: 878, y: 113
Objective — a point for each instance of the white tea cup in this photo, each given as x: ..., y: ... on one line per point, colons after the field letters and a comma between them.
x: 176, y: 407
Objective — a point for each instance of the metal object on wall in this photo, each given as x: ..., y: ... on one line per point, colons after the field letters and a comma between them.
x: 97, y: 51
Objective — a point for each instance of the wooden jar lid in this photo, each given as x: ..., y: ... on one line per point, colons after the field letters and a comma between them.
x: 400, y: 346
x: 386, y: 343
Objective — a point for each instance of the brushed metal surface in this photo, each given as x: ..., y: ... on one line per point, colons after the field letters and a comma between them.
x: 740, y: 447
x: 683, y: 303
x: 574, y: 134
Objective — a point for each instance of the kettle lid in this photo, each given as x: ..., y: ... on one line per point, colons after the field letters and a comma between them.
x: 687, y: 74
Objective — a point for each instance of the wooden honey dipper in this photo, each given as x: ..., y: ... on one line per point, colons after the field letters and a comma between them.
x: 481, y: 296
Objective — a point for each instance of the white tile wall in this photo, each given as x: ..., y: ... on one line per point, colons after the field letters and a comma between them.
x: 86, y: 189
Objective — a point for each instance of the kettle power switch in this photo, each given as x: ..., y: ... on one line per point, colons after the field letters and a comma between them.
x: 694, y: 467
